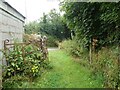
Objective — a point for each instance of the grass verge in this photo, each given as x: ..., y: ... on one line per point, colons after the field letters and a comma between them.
x: 65, y: 73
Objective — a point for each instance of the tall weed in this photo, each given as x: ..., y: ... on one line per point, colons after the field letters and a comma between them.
x: 104, y: 66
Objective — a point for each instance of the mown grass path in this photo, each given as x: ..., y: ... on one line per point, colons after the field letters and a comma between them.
x: 66, y: 73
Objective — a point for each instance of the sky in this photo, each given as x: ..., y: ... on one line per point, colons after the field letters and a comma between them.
x: 34, y: 9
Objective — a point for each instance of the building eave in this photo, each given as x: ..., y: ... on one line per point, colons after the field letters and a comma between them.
x: 13, y: 9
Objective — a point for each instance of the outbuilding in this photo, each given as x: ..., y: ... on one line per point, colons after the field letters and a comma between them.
x: 11, y: 24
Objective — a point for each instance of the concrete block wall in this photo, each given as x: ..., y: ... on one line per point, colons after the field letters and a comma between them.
x: 11, y: 26
x: 0, y: 52
x: 0, y: 60
x: 11, y: 23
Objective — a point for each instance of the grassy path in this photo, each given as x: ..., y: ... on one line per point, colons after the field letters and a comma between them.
x: 66, y: 73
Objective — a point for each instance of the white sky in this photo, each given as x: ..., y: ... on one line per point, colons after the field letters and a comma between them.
x: 33, y: 9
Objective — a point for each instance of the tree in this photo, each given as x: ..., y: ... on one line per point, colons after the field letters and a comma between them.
x: 32, y: 27
x: 52, y: 24
x: 93, y: 20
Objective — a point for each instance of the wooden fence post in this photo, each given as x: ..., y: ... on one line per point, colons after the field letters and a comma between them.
x: 90, y: 51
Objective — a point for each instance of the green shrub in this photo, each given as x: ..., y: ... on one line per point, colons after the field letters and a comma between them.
x: 14, y: 81
x: 52, y: 41
x: 104, y: 66
x: 105, y: 63
x: 72, y: 47
x: 24, y: 60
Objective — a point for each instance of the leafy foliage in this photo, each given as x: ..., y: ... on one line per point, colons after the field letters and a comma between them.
x: 97, y: 20
x: 106, y: 66
x: 50, y: 24
x: 32, y: 27
x: 72, y: 47
x: 94, y: 20
x: 26, y: 61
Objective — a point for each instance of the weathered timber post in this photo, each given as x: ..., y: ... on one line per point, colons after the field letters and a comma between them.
x: 5, y: 48
x: 44, y: 48
x: 90, y: 52
x: 94, y: 44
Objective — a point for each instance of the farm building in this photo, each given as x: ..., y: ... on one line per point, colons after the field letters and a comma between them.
x: 11, y: 23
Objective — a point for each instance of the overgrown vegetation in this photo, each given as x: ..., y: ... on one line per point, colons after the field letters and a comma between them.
x: 73, y: 47
x: 69, y: 74
x: 96, y: 45
x: 24, y: 63
x: 94, y: 20
x: 105, y: 64
x: 97, y: 31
